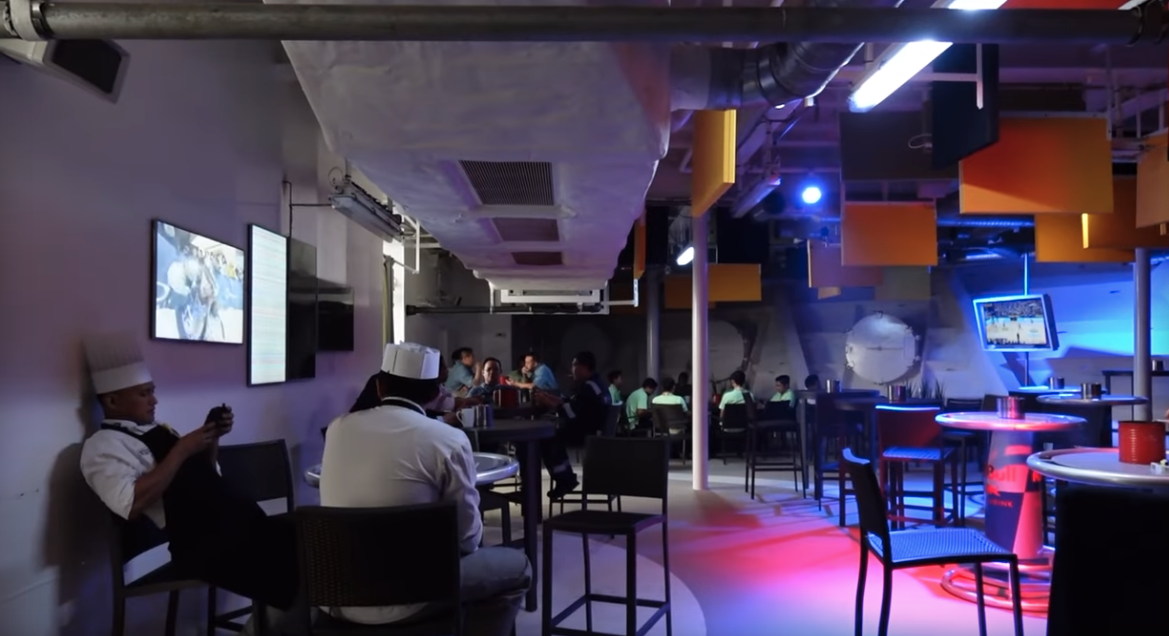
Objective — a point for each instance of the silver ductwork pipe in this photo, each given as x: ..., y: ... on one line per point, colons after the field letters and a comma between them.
x: 724, y: 78
x: 38, y: 20
x: 1006, y: 223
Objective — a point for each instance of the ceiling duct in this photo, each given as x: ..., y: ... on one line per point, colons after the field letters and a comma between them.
x: 725, y: 78
x: 518, y: 183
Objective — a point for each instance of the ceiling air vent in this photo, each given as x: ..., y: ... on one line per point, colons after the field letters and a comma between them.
x: 527, y: 230
x: 537, y: 258
x: 510, y: 182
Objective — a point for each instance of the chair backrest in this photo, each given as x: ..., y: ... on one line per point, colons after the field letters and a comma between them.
x: 625, y: 466
x: 869, y: 501
x: 669, y: 417
x: 910, y: 427
x: 781, y: 410
x: 990, y: 402
x: 737, y: 416
x: 612, y: 419
x: 259, y: 471
x: 956, y: 405
x: 372, y: 557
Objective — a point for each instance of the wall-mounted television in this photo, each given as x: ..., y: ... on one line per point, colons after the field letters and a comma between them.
x: 302, y: 310
x: 335, y: 315
x: 198, y: 287
x: 1016, y: 323
x: 267, y: 306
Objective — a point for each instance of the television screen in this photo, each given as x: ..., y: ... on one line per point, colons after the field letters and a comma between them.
x: 335, y: 311
x: 267, y: 306
x: 1016, y: 323
x: 198, y: 287
x: 302, y: 310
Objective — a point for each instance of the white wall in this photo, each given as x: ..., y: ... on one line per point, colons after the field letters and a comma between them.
x: 440, y: 282
x: 201, y: 137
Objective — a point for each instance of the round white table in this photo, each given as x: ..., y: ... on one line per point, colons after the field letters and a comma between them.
x: 1097, y: 467
x: 489, y: 468
x: 1014, y: 503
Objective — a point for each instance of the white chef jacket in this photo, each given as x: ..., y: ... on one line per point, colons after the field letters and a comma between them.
x: 395, y: 456
x: 112, y: 461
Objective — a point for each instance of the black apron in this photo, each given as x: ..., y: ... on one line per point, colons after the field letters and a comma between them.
x: 219, y: 537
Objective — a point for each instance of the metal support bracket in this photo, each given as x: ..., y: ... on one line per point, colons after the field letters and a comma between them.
x: 24, y: 19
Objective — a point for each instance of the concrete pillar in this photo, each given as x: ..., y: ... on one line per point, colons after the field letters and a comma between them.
x: 700, y: 363
x: 653, y: 323
x: 1142, y: 357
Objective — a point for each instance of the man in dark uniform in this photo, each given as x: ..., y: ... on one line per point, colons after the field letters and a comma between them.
x: 141, y: 468
x: 582, y: 414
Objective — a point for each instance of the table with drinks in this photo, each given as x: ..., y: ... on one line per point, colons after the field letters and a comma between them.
x: 1014, y: 502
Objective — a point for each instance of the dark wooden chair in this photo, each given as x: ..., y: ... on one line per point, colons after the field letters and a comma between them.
x: 672, y: 423
x: 345, y: 557
x: 129, y: 540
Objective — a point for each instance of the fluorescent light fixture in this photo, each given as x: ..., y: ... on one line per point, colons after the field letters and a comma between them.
x: 686, y: 256
x: 811, y: 195
x: 902, y: 62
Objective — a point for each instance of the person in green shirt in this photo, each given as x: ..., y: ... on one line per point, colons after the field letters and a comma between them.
x: 783, y: 390
x: 738, y: 393
x: 637, y: 404
x: 615, y: 387
x: 668, y: 397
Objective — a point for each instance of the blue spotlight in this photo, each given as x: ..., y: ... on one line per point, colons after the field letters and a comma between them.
x: 811, y: 195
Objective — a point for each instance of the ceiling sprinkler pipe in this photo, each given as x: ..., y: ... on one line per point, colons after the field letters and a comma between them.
x: 35, y: 19
x: 1005, y: 223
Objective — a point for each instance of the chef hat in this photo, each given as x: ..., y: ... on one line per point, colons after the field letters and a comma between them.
x: 115, y: 362
x: 411, y: 361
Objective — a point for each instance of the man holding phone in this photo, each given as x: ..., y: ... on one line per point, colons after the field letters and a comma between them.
x: 139, y: 467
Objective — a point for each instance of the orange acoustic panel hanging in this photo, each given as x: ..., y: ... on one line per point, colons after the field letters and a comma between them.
x: 639, y: 247
x: 729, y: 282
x: 712, y: 166
x: 888, y: 234
x: 1050, y: 165
x: 825, y: 269
x: 1119, y: 230
x: 1153, y: 184
x: 1059, y: 238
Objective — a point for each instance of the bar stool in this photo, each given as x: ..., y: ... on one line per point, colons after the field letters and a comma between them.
x: 909, y: 434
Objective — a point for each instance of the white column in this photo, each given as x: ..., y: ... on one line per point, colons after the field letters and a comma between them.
x: 653, y: 322
x: 1142, y: 357
x: 700, y: 364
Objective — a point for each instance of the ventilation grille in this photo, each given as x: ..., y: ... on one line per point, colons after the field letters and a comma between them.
x: 527, y: 230
x: 510, y: 182
x: 537, y: 258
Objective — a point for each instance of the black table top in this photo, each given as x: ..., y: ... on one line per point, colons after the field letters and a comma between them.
x: 516, y: 430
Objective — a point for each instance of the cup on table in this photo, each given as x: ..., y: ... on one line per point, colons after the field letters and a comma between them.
x: 467, y: 417
x: 1091, y: 391
x: 1141, y: 442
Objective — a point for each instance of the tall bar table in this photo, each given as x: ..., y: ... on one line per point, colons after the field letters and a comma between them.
x: 1014, y: 507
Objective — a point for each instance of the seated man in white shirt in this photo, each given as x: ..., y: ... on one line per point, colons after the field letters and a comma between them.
x: 396, y: 455
x: 139, y: 467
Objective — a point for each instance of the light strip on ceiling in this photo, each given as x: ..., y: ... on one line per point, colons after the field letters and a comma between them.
x: 901, y: 62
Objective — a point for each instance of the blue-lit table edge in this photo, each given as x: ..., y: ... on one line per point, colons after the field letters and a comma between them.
x: 489, y: 468
x: 1076, y: 399
x: 1096, y: 467
x: 1010, y: 487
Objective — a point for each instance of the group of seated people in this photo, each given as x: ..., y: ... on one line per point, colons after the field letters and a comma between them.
x: 397, y: 446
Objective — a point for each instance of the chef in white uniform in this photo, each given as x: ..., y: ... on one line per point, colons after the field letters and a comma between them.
x: 395, y: 455
x: 139, y: 467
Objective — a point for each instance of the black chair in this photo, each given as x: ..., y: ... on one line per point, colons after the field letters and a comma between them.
x: 620, y: 467
x: 261, y: 472
x: 672, y: 423
x: 777, y: 418
x: 609, y: 429
x: 355, y: 558
x: 916, y: 548
x: 966, y: 442
x: 734, y: 424
x: 131, y: 539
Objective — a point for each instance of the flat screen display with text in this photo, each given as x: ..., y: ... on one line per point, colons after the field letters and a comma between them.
x: 268, y: 304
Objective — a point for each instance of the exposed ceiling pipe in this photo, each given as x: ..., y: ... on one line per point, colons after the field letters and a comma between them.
x: 1006, y: 222
x: 416, y: 310
x: 41, y: 20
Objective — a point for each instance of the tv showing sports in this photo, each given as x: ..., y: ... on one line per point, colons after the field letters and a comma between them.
x: 1016, y: 323
x: 267, y: 306
x: 198, y: 287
